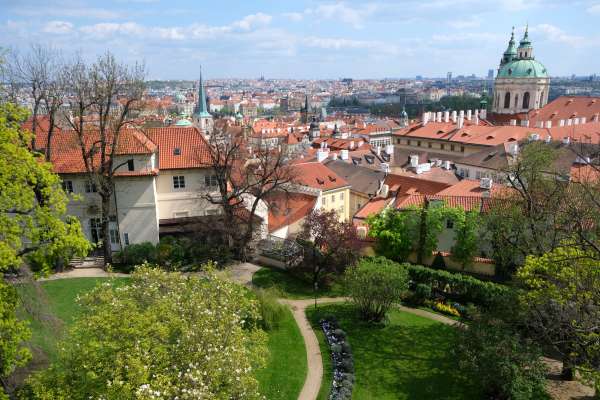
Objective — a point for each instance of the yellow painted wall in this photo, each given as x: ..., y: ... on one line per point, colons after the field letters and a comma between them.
x: 338, y: 200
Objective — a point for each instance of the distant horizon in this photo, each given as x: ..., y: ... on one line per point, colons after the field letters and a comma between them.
x: 310, y: 39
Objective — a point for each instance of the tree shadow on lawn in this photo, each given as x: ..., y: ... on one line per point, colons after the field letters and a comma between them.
x: 409, y: 357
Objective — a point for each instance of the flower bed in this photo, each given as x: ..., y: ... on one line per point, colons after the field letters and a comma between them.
x: 342, y: 360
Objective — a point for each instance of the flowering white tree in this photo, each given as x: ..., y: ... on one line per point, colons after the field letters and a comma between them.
x: 160, y: 336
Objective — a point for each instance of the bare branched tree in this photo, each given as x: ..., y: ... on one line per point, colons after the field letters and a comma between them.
x: 38, y: 72
x: 104, y: 99
x: 245, y: 178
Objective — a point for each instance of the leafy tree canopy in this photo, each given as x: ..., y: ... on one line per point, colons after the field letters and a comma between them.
x: 162, y: 336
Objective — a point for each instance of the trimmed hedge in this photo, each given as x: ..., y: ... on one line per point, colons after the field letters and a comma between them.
x: 463, y: 288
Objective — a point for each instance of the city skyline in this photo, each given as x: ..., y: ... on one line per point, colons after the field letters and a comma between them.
x: 309, y: 40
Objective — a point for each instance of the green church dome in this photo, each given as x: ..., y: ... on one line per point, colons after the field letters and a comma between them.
x: 183, y: 122
x: 526, y: 68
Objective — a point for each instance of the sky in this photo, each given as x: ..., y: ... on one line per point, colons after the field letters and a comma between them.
x: 309, y: 39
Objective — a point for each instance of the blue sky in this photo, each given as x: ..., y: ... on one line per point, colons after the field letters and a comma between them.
x: 310, y: 39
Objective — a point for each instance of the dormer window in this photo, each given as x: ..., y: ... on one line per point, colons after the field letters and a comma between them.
x: 176, y: 151
x: 130, y: 165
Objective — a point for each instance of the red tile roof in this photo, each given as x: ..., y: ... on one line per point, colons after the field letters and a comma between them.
x: 193, y: 148
x: 318, y: 176
x: 405, y: 184
x: 287, y: 208
x: 567, y: 107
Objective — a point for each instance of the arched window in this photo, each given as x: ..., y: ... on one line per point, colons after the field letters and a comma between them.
x: 507, y: 100
x: 526, y: 100
x: 542, y: 99
x: 517, y: 100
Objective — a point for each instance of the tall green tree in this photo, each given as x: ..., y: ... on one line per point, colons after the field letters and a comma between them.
x: 32, y: 223
x: 562, y: 298
x: 162, y: 336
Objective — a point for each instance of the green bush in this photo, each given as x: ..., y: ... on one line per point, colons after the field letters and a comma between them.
x: 464, y: 288
x: 422, y: 292
x: 136, y: 254
x: 508, y: 366
x: 271, y: 310
x: 375, y: 284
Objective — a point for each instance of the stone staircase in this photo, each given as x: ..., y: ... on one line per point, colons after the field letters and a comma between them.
x: 87, y: 262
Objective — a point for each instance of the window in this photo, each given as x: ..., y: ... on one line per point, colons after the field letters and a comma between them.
x: 210, y: 180
x: 526, y: 100
x: 429, y: 144
x: 452, y: 147
x: 126, y: 238
x: 67, y: 186
x: 181, y: 214
x: 477, y: 174
x: 324, y: 201
x: 419, y: 143
x: 507, y: 100
x: 462, y: 149
x: 130, y: 166
x: 516, y: 101
x: 114, y: 237
x: 449, y: 224
x: 176, y: 151
x: 341, y: 196
x: 178, y: 182
x: 90, y: 187
x: 410, y: 142
x: 442, y: 146
x: 358, y: 206
x: 112, y: 218
x: 212, y: 212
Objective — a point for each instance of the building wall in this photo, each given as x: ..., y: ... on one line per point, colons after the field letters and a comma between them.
x: 357, y: 200
x: 184, y: 202
x: 338, y: 200
x: 472, y: 172
x: 538, y: 89
x: 445, y: 147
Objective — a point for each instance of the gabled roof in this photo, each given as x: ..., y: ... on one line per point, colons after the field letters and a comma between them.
x: 288, y: 208
x: 400, y: 184
x: 318, y: 176
x: 180, y: 148
x: 363, y: 180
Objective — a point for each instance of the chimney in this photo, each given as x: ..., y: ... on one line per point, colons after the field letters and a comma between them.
x: 566, y: 140
x: 576, y: 121
x: 513, y: 122
x: 583, y: 120
x: 378, y: 151
x: 414, y: 161
x: 322, y: 155
x: 468, y: 115
x: 446, y: 116
x: 561, y: 123
x: 425, y: 118
x: 485, y: 183
x: 483, y: 113
x: 439, y: 116
x: 548, y: 124
x: 344, y: 154
x: 513, y: 149
x: 569, y: 122
x: 351, y: 145
x: 385, y: 189
x: 334, y: 156
x: 389, y: 149
x: 447, y: 164
x: 596, y: 117
x: 454, y: 116
x: 461, y: 122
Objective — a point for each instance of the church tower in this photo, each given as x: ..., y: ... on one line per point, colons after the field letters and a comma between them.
x: 522, y: 83
x: 201, y: 117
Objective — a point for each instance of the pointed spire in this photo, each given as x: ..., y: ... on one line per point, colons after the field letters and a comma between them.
x: 201, y: 109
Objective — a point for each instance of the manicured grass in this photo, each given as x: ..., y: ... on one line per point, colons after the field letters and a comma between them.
x: 51, y: 306
x: 407, y: 358
x: 292, y: 286
x: 284, y: 375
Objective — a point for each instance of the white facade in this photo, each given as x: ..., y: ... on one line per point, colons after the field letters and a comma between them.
x: 519, y: 95
x: 187, y: 201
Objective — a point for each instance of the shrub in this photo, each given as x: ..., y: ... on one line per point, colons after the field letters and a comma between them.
x: 271, y: 310
x: 463, y: 288
x: 422, y: 292
x: 136, y: 254
x: 375, y: 284
x: 508, y: 366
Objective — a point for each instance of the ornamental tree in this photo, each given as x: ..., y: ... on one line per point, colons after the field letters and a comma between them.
x: 161, y: 336
x: 375, y: 285
x: 563, y: 304
x: 466, y: 226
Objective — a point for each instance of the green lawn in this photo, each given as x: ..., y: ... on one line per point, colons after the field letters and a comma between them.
x: 291, y: 286
x: 284, y: 375
x: 407, y: 358
x: 51, y: 306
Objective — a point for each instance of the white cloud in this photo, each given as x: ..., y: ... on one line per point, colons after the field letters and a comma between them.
x: 58, y: 27
x: 354, y: 16
x: 555, y: 34
x: 67, y: 11
x: 105, y: 29
x: 346, y: 44
x: 252, y: 21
